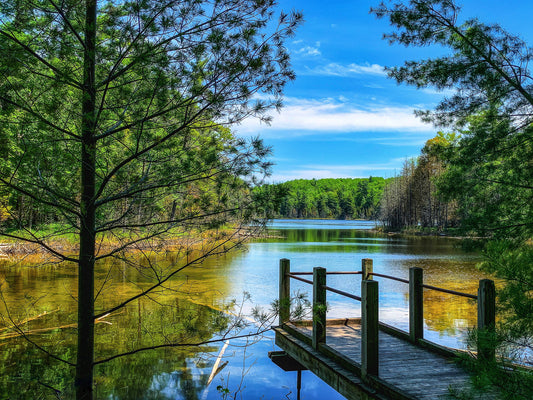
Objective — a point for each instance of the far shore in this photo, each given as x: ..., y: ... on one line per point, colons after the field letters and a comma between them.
x: 452, y: 233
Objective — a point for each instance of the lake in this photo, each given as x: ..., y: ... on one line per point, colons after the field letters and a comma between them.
x: 195, y: 310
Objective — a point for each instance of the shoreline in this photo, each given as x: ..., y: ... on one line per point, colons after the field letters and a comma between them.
x: 409, y: 231
x: 17, y: 250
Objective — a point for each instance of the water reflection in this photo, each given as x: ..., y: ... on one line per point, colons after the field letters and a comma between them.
x: 445, y: 264
x: 42, y: 299
x: 189, y: 310
x: 321, y: 224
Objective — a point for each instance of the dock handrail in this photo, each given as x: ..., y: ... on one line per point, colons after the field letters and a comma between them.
x: 369, y: 306
x: 300, y: 279
x: 295, y: 275
x: 438, y: 289
x: 343, y: 293
x: 330, y: 273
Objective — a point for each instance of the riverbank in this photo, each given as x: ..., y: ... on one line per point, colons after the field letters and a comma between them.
x: 44, y: 245
x: 471, y: 240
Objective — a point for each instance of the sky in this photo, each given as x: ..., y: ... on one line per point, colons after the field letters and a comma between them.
x: 342, y: 116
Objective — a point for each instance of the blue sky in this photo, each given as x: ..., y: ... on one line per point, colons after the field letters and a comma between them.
x: 343, y: 117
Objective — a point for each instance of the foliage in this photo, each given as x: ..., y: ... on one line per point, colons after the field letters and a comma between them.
x: 486, y: 66
x: 493, y: 166
x: 300, y: 306
x: 492, y: 107
x: 341, y: 198
x: 513, y: 261
x: 114, y: 120
x: 488, y: 171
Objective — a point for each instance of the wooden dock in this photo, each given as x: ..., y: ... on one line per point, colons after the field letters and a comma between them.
x: 363, y: 358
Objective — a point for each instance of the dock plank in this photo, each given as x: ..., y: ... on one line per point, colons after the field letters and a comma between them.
x: 417, y: 373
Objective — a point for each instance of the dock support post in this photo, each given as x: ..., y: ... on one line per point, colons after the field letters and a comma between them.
x: 298, y: 384
x: 284, y: 290
x: 416, y: 304
x: 486, y: 319
x: 367, y: 268
x: 319, y: 306
x: 369, y: 328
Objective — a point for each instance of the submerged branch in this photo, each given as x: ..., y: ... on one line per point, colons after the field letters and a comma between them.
x: 161, y: 346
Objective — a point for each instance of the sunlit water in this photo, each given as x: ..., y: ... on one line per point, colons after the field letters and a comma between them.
x: 192, y: 315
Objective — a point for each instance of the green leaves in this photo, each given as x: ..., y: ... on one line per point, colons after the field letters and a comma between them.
x: 488, y: 168
x: 486, y: 65
x: 492, y: 108
x: 323, y: 198
x: 115, y: 119
x: 169, y: 75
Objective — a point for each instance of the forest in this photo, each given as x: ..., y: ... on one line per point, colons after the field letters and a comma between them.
x: 115, y: 133
x: 342, y: 198
x: 414, y: 198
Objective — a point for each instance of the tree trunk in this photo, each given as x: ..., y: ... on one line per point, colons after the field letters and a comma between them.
x: 85, y: 350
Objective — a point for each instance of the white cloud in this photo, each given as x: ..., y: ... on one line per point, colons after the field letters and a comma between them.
x: 309, y: 50
x: 335, y: 69
x: 311, y: 117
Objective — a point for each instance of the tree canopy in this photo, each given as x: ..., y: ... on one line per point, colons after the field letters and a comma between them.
x: 488, y: 170
x: 341, y: 198
x: 492, y: 106
x: 114, y: 123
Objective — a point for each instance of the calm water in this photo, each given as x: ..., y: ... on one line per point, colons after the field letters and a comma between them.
x: 192, y: 313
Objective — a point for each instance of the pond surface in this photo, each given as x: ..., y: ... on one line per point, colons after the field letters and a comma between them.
x: 42, y: 299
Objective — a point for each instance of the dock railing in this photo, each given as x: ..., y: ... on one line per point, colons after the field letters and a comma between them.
x: 369, y: 299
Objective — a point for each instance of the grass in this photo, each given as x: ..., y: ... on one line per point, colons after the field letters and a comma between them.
x: 65, y: 239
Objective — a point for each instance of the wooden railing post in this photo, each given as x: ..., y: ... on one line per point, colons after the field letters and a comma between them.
x: 369, y: 328
x: 284, y: 291
x: 319, y: 306
x: 367, y: 268
x: 416, y: 304
x: 486, y: 319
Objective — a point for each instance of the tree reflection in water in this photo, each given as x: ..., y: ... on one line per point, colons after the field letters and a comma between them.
x: 190, y: 310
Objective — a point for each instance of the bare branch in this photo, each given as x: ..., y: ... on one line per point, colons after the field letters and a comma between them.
x: 166, y: 345
x: 217, y: 249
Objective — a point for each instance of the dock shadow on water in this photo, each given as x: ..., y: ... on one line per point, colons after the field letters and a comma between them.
x: 194, y: 308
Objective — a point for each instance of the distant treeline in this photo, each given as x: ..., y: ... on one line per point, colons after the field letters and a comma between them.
x: 413, y: 199
x: 342, y: 198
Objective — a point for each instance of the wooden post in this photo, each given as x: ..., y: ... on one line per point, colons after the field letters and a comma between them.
x: 416, y: 304
x: 319, y: 306
x: 369, y: 328
x: 284, y: 291
x: 486, y: 319
x: 298, y: 384
x: 367, y: 268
